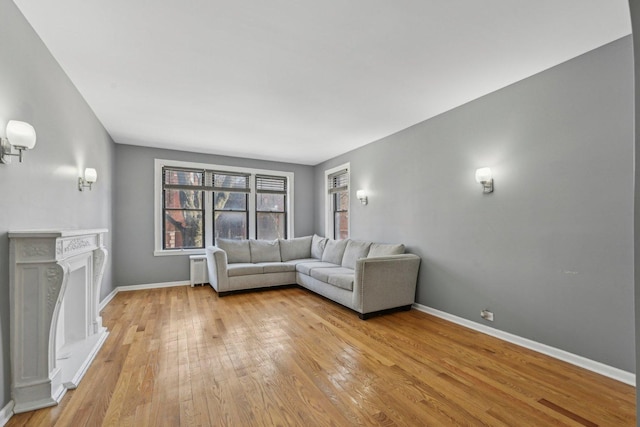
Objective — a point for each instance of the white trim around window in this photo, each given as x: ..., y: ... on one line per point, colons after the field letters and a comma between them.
x: 328, y: 199
x: 158, y: 211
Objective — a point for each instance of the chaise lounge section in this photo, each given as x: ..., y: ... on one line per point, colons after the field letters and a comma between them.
x: 369, y: 278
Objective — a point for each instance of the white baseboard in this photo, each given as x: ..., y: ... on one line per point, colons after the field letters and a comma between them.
x: 107, y: 300
x: 113, y: 293
x: 591, y: 365
x: 6, y: 413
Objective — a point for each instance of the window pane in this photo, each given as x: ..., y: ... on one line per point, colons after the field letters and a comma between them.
x: 230, y: 225
x: 185, y: 199
x: 226, y: 201
x: 230, y: 181
x: 183, y: 229
x: 341, y: 225
x: 178, y: 177
x: 271, y: 225
x: 270, y: 202
x: 342, y: 201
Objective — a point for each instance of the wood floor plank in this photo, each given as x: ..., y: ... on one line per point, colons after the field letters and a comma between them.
x: 184, y: 356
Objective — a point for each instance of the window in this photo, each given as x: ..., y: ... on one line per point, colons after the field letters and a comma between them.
x: 230, y: 207
x: 195, y: 203
x: 271, y: 202
x: 338, y: 202
x: 341, y: 215
x: 183, y: 207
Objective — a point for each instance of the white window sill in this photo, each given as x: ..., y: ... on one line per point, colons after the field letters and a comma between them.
x: 179, y: 252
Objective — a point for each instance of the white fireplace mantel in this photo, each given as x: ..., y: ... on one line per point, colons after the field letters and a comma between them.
x: 56, y: 328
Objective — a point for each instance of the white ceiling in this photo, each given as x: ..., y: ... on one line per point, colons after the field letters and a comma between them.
x: 303, y: 81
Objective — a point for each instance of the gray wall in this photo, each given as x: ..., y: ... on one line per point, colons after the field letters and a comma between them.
x: 550, y: 252
x: 635, y: 23
x: 134, y: 227
x: 42, y: 191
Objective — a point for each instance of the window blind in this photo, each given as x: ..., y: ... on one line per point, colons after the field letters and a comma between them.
x: 271, y: 184
x: 338, y: 181
x: 182, y: 179
x: 230, y: 181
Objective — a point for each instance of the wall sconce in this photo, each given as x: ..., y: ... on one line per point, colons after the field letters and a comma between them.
x: 483, y: 176
x: 90, y: 177
x: 20, y: 135
x: 362, y: 196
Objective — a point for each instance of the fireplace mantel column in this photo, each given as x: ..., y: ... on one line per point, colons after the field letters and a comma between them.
x: 56, y: 328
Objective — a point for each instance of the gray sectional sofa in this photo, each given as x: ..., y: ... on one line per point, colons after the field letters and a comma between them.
x: 369, y: 278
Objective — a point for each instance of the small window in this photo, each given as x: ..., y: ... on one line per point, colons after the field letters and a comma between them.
x: 183, y: 206
x: 271, y: 207
x: 338, y: 185
x: 230, y: 205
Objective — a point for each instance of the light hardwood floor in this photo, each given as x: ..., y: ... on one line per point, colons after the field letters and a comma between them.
x: 183, y: 356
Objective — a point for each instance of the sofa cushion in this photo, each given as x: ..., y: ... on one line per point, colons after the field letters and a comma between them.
x: 334, y: 251
x: 378, y: 249
x: 295, y: 262
x: 237, y: 250
x: 277, y: 267
x: 354, y: 251
x: 342, y: 281
x: 264, y: 250
x: 306, y: 267
x: 297, y: 248
x: 323, y: 274
x: 317, y: 246
x: 244, y: 269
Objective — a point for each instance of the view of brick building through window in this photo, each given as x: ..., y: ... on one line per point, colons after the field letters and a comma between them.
x: 184, y: 209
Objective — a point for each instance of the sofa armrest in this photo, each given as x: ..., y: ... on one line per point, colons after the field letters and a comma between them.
x: 217, y: 266
x: 386, y: 282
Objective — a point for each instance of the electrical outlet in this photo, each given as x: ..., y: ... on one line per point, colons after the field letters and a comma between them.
x: 487, y: 315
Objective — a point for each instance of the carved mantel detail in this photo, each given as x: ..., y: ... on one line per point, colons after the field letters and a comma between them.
x: 53, y: 273
x: 76, y: 244
x: 35, y: 250
x: 54, y: 276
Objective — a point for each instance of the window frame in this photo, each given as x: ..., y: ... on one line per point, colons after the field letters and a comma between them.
x: 196, y: 188
x: 284, y: 191
x: 335, y: 211
x: 238, y: 190
x: 158, y: 203
x: 330, y: 199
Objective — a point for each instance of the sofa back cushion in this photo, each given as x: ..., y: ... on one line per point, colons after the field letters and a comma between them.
x: 264, y: 250
x: 334, y: 251
x: 317, y: 246
x: 237, y: 250
x: 298, y: 248
x: 353, y: 251
x: 378, y: 249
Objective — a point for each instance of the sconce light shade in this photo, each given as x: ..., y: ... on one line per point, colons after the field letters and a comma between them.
x: 483, y: 174
x: 484, y: 177
x: 362, y: 196
x: 20, y: 135
x: 90, y: 177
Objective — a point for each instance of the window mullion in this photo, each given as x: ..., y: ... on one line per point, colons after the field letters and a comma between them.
x: 208, y: 218
x: 251, y: 207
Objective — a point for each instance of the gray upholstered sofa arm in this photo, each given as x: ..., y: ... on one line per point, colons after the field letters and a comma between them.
x: 386, y: 282
x: 217, y: 265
